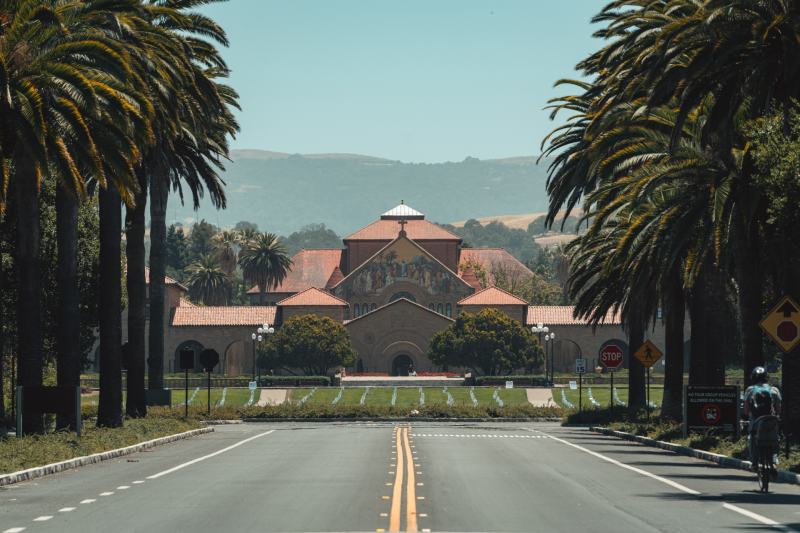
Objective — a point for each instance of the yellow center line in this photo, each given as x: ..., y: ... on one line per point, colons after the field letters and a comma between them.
x: 397, y: 493
x: 411, y: 501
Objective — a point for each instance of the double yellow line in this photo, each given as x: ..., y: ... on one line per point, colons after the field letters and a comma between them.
x: 397, y: 494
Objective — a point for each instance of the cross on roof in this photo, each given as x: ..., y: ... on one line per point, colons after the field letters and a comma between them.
x: 402, y: 223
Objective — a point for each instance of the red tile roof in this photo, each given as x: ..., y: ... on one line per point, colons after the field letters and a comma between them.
x: 346, y: 322
x: 335, y: 278
x: 561, y: 315
x: 388, y: 230
x: 167, y: 280
x: 313, y: 296
x: 311, y: 268
x: 491, y: 258
x: 469, y: 276
x: 492, y: 296
x: 223, y: 316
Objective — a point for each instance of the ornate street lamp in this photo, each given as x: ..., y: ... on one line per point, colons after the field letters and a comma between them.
x: 265, y: 330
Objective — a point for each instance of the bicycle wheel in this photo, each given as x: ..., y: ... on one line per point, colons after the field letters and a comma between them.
x: 764, y: 468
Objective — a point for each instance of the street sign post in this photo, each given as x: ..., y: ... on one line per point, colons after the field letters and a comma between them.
x: 782, y: 323
x: 611, y: 356
x: 209, y: 358
x: 186, y: 362
x: 580, y: 369
x: 648, y: 354
x: 707, y: 408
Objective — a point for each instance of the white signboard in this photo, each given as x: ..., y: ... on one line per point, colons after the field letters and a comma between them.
x: 252, y: 385
x: 573, y: 385
x: 509, y: 384
x: 580, y: 366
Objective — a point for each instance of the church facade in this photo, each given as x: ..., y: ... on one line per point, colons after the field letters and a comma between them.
x: 394, y: 285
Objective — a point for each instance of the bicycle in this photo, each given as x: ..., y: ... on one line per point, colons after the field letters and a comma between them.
x: 766, y: 437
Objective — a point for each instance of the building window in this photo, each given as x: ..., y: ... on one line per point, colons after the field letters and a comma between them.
x: 431, y: 307
x: 374, y: 307
x: 147, y: 313
x: 439, y: 309
x: 659, y: 311
x: 402, y: 294
x: 449, y: 311
x: 356, y: 309
x: 364, y: 309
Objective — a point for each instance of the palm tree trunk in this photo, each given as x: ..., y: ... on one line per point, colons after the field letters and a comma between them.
x: 29, y: 314
x: 68, y: 318
x: 637, y: 394
x: 159, y: 192
x: 2, y: 350
x: 230, y: 288
x: 244, y: 291
x: 675, y: 314
x: 137, y: 301
x: 109, y: 412
x: 698, y: 351
x: 750, y: 298
x: 715, y: 330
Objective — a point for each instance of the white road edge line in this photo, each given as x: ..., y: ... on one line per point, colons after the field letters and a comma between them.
x: 165, y: 472
x: 749, y: 514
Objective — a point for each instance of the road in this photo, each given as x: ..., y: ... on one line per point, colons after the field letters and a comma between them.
x: 393, y: 476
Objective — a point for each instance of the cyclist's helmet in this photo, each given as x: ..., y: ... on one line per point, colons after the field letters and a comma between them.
x: 759, y: 375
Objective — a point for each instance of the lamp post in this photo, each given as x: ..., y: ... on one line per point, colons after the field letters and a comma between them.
x: 541, y: 328
x: 265, y: 330
x: 552, y: 354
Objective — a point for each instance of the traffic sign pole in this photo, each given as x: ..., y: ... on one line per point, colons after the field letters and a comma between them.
x: 209, y: 392
x: 648, y: 394
x: 580, y: 392
x: 612, y: 393
x: 186, y: 399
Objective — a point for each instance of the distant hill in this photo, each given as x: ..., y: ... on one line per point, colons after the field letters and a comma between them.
x: 283, y: 192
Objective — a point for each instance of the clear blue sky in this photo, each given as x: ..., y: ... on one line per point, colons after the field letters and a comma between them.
x: 415, y: 81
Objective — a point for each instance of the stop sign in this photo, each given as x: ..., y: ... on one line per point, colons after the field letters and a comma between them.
x: 611, y: 356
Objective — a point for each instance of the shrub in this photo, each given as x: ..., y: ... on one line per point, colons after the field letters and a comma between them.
x: 480, y: 379
x: 291, y: 381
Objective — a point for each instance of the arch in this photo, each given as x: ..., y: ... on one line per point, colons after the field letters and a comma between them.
x: 401, y: 286
x: 400, y: 347
x: 374, y: 307
x: 356, y: 310
x: 234, y: 360
x: 449, y: 311
x: 402, y: 365
x: 439, y: 309
x: 360, y: 366
x: 432, y: 308
x: 565, y: 351
x: 364, y: 309
x: 402, y: 294
x: 189, y: 345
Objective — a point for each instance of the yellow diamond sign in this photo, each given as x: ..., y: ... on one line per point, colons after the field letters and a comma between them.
x: 648, y: 354
x: 783, y: 324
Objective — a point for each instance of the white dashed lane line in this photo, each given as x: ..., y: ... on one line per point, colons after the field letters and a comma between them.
x: 88, y: 501
x: 14, y: 530
x: 42, y: 519
x: 66, y: 509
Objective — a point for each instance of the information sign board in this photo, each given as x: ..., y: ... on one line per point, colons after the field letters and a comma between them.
x: 580, y: 366
x: 711, y: 408
x: 252, y: 385
x: 573, y: 385
x: 509, y: 384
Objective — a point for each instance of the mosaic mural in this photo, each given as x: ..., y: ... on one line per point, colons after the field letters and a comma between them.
x: 401, y: 262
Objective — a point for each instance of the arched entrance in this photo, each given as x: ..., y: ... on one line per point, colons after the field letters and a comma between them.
x: 401, y: 365
x: 235, y: 361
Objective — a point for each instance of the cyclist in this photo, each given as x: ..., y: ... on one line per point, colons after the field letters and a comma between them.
x: 760, y: 399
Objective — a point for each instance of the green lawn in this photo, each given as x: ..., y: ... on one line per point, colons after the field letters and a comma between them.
x: 408, y: 396
x: 234, y: 397
x: 603, y: 396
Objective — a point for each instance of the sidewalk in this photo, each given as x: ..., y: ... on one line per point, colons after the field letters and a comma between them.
x: 271, y: 397
x: 540, y: 397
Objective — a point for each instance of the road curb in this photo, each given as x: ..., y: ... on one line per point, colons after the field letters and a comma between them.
x: 407, y: 419
x: 220, y: 422
x: 724, y: 460
x: 54, y: 468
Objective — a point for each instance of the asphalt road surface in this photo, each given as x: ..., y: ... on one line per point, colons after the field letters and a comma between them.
x: 399, y: 477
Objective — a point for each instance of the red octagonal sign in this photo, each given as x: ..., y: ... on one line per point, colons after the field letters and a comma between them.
x: 787, y: 331
x: 611, y: 356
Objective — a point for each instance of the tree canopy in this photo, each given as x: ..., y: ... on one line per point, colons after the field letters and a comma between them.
x: 489, y: 342
x: 309, y: 343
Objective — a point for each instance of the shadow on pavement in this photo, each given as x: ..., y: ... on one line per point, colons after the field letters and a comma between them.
x: 749, y: 497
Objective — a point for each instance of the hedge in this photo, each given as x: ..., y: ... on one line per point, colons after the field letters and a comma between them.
x: 293, y: 381
x: 480, y: 379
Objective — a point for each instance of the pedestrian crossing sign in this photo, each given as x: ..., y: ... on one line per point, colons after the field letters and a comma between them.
x: 648, y: 354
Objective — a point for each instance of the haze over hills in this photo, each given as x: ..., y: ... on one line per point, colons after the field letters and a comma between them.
x: 283, y: 192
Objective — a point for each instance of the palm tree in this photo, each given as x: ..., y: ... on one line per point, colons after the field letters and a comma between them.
x: 223, y: 244
x: 265, y: 262
x: 59, y: 83
x: 207, y: 282
x: 243, y: 237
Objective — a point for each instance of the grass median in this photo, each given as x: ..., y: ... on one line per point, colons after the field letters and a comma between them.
x: 408, y: 397
x: 32, y: 451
